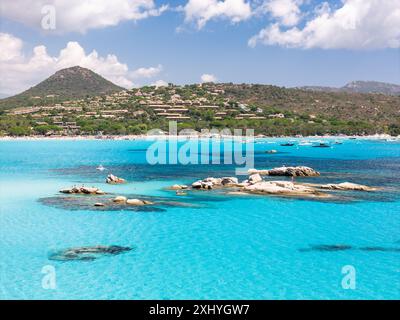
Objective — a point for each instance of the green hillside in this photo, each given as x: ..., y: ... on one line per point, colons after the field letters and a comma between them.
x: 66, y: 84
x: 77, y: 101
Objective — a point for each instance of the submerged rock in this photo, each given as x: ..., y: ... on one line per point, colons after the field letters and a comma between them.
x: 344, y: 247
x: 106, y: 203
x: 83, y: 190
x: 111, y: 179
x: 380, y: 249
x: 87, y: 253
x: 328, y: 248
x: 300, y: 171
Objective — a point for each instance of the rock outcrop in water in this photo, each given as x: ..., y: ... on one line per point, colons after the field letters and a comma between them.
x: 255, y: 185
x: 120, y: 199
x: 87, y: 253
x: 347, y: 186
x: 138, y: 202
x: 284, y: 188
x: 99, y: 204
x: 111, y: 179
x: 210, y: 183
x: 229, y: 181
x: 300, y: 171
x: 202, y: 184
x: 179, y: 187
x: 131, y: 202
x: 254, y: 178
x: 83, y: 190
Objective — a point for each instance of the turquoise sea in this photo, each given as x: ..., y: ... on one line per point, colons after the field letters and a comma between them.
x: 205, y: 245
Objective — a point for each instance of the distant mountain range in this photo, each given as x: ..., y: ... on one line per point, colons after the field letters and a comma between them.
x: 66, y: 84
x: 360, y: 87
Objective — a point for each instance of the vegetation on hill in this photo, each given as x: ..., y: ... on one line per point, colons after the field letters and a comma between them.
x: 66, y: 84
x: 76, y: 101
x: 378, y: 109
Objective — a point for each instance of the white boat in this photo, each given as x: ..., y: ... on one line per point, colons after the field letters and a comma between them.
x: 305, y: 143
x: 100, y: 168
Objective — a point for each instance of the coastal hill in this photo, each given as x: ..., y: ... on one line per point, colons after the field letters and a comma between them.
x: 360, y: 87
x: 71, y: 83
x: 77, y: 101
x: 347, y: 106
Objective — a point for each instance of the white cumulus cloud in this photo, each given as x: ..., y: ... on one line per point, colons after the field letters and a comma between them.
x: 208, y: 78
x: 357, y: 24
x: 202, y: 11
x: 147, y: 72
x: 80, y: 15
x: 19, y: 71
x: 288, y: 12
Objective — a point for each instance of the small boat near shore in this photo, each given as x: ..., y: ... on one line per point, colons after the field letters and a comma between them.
x: 322, y: 145
x: 100, y: 168
x: 288, y: 144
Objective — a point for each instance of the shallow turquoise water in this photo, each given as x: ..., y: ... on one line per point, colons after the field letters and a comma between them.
x: 243, y: 247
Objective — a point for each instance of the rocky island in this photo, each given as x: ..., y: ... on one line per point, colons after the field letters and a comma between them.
x: 255, y: 184
x: 83, y: 190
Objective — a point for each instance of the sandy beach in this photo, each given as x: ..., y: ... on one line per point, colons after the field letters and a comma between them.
x: 200, y: 136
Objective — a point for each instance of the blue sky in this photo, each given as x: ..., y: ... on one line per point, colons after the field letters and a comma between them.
x: 180, y: 46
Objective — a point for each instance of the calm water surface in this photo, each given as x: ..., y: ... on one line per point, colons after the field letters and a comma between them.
x: 208, y: 245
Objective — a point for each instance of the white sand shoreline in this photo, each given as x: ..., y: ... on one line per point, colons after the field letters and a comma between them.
x: 185, y: 137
